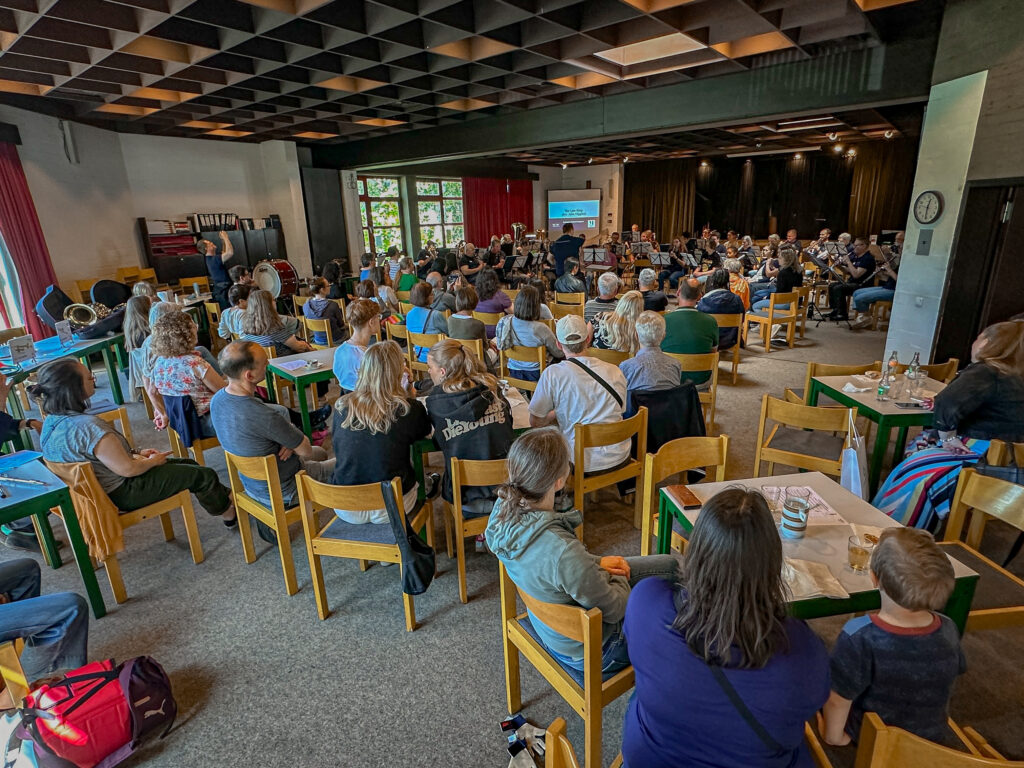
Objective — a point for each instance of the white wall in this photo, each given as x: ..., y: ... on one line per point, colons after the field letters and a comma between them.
x: 607, y: 177
x: 284, y: 197
x: 944, y: 156
x: 353, y: 222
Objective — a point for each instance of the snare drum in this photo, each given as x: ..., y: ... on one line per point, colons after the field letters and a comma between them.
x: 276, y: 276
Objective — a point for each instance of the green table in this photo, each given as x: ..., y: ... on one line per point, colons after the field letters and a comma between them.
x: 302, y: 377
x: 885, y: 414
x: 823, y: 543
x: 37, y: 501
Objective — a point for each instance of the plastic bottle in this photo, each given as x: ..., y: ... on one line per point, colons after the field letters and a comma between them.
x: 914, y: 375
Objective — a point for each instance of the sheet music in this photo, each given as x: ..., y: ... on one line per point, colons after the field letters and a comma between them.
x: 659, y: 259
x: 595, y: 256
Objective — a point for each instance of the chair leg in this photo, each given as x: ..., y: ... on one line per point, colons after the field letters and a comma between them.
x: 188, y: 514
x: 735, y: 362
x: 638, y: 503
x: 197, y: 456
x: 592, y: 727
x: 245, y: 531
x: 976, y: 529
x: 771, y: 468
x: 284, y: 549
x: 364, y: 565
x: 167, y: 525
x: 113, y: 569
x: 448, y: 539
x: 319, y: 590
x: 13, y: 674
x: 410, y: 612
x: 647, y: 527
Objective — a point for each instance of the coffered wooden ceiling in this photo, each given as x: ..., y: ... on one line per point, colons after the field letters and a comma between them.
x: 314, y: 70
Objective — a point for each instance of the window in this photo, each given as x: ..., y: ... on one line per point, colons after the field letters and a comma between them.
x: 380, y: 213
x: 439, y: 211
x: 10, y: 308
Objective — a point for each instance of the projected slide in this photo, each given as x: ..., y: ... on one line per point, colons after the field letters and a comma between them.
x: 581, y: 207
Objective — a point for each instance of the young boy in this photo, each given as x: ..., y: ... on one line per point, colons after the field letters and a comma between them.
x: 902, y: 661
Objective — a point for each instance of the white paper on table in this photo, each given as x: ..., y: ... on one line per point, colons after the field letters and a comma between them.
x: 820, y: 513
x: 292, y: 365
x: 865, y: 381
x: 806, y: 578
x: 848, y: 387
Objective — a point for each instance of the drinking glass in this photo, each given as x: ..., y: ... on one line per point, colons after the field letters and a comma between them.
x: 859, y: 551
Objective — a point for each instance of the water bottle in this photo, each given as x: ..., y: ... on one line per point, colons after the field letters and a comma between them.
x: 914, y: 375
x: 195, y: 290
x: 884, y: 385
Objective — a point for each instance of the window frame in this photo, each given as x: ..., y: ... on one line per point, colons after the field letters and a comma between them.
x: 365, y: 198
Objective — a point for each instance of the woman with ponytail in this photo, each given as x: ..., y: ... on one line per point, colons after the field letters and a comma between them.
x: 472, y: 419
x: 542, y: 555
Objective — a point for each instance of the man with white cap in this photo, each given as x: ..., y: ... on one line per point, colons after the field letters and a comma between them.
x: 581, y: 390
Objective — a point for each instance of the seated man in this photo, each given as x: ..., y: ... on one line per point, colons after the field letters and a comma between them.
x: 689, y: 331
x: 607, y: 286
x: 55, y: 627
x: 647, y: 282
x: 240, y: 275
x: 443, y: 300
x: 651, y: 369
x: 581, y: 390
x: 571, y: 280
x: 247, y: 426
x: 718, y: 299
x: 859, y: 267
x: 231, y: 318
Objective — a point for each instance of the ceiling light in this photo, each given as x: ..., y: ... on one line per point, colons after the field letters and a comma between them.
x: 851, y: 152
x: 591, y: 160
x: 625, y: 159
x: 833, y: 136
x: 780, y: 151
x: 837, y: 148
x: 672, y: 44
x: 758, y: 145
x: 890, y: 134
x: 703, y: 163
x: 797, y: 156
x: 564, y: 165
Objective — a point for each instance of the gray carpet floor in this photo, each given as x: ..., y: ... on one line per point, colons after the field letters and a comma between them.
x: 260, y: 681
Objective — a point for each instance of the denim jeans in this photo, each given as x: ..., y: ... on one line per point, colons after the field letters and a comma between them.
x: 757, y: 306
x: 672, y: 277
x: 614, y: 653
x: 863, y: 298
x: 759, y: 290
x: 55, y: 627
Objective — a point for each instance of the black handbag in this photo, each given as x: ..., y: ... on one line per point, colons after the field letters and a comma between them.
x: 1011, y: 473
x: 418, y: 563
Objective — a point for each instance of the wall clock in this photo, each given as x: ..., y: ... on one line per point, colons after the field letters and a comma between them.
x: 928, y: 207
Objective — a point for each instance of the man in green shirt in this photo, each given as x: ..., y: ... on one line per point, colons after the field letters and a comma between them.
x: 689, y: 331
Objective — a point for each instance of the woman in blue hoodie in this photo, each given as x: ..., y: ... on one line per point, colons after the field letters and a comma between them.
x: 319, y: 307
x: 542, y: 555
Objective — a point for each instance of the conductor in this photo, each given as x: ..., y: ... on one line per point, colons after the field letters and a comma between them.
x: 217, y: 267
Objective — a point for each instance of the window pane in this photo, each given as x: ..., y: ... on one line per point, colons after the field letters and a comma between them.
x: 362, y: 214
x: 428, y: 189
x: 430, y: 213
x: 431, y: 233
x: 382, y: 187
x: 453, y: 234
x: 362, y: 187
x: 366, y: 241
x: 452, y: 188
x: 385, y: 238
x: 384, y: 214
x: 452, y: 211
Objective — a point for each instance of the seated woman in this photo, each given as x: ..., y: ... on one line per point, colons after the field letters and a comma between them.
x: 180, y: 371
x: 364, y: 321
x: 617, y: 329
x: 131, y: 479
x: 541, y: 286
x: 332, y: 274
x: 719, y: 300
x: 407, y: 277
x: 136, y: 322
x: 320, y: 307
x: 262, y: 324
x: 984, y: 402
x: 422, y: 318
x: 720, y: 634
x: 737, y: 282
x: 462, y: 324
x: 472, y: 419
x: 542, y: 555
x: 385, y: 294
x: 375, y: 427
x: 524, y: 329
x: 492, y: 298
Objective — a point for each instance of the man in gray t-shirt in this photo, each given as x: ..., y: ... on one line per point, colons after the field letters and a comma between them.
x: 246, y: 426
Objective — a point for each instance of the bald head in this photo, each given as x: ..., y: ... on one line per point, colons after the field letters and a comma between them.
x: 241, y: 357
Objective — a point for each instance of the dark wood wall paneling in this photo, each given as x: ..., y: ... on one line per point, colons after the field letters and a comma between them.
x: 325, y: 219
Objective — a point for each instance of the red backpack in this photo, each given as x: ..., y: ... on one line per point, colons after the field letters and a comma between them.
x: 99, y: 714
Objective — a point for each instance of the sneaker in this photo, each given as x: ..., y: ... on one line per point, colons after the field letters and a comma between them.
x: 266, y: 533
x: 25, y: 542
x: 480, y: 543
x: 861, y: 322
x: 433, y: 486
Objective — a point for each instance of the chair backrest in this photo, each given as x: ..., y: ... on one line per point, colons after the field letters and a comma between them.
x: 613, y: 356
x: 687, y: 453
x: 422, y: 341
x: 595, y: 435
x: 84, y: 287
x: 341, y: 305
x: 578, y: 297
x: 188, y: 282
x: 120, y: 416
x: 706, y: 362
x: 523, y: 355
x: 777, y: 299
x: 488, y: 318
x: 558, y: 751
x: 404, y: 295
x: 567, y: 620
x: 297, y: 302
x: 806, y: 416
x: 271, y: 351
x: 999, y: 498
x: 476, y: 346
x: 405, y: 307
x: 127, y: 274
x: 396, y: 331
x: 881, y: 746
x: 944, y: 372
x: 558, y: 311
x: 314, y: 325
x: 728, y: 321
x: 262, y: 468
x: 147, y: 274
x: 212, y: 313
x: 12, y: 333
x: 828, y: 369
x: 512, y: 293
x: 358, y: 498
x: 470, y: 472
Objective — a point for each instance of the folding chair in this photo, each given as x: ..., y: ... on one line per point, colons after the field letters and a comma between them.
x: 804, y: 436
x: 598, y: 435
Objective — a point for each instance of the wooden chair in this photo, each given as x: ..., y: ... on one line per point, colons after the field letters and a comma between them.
x: 578, y: 298
x: 282, y: 387
x: 881, y: 746
x: 14, y: 678
x: 84, y: 288
x: 186, y: 283
x: 405, y: 296
x: 881, y: 311
x: 277, y: 517
x: 512, y: 293
x: 488, y: 318
x: 476, y: 346
x: 731, y: 321
x: 465, y: 472
x: 805, y: 299
x: 298, y: 302
x: 826, y: 369
x: 195, y: 452
x: 148, y: 274
x: 944, y: 372
x: 801, y: 436
x: 537, y: 355
x: 212, y: 309
x: 679, y: 455
x: 987, y: 497
x: 127, y: 275
x: 613, y: 356
x: 418, y: 341
x: 596, y: 435
x: 701, y: 364
x: 312, y: 325
x: 586, y: 692
x: 405, y: 307
x: 772, y: 317
x: 119, y: 417
x: 85, y: 489
x: 558, y: 311
x: 357, y: 542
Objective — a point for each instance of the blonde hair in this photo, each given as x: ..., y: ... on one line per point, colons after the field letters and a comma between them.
x: 1004, y: 347
x: 912, y: 569
x: 260, y: 316
x: 536, y: 461
x: 618, y: 328
x: 136, y: 321
x: 462, y: 369
x: 378, y: 400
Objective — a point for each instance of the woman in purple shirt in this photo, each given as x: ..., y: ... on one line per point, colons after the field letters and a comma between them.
x: 722, y: 634
x: 492, y: 298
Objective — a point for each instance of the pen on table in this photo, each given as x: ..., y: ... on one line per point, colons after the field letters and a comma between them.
x: 7, y: 479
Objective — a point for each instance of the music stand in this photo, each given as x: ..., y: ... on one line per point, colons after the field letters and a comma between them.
x: 691, y: 259
x: 641, y: 248
x: 660, y: 259
x: 519, y: 262
x: 595, y: 257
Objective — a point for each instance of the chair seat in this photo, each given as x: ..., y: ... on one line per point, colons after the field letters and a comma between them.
x: 818, y: 444
x: 368, y: 533
x: 995, y: 589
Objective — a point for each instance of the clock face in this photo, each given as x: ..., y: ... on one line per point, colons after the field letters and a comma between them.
x: 928, y: 207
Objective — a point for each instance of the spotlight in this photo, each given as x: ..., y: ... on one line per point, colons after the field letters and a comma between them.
x: 833, y: 136
x: 625, y: 159
x: 747, y: 161
x: 797, y: 156
x: 591, y: 160
x: 758, y: 145
x: 837, y: 148
x: 564, y: 166
x: 890, y: 134
x: 703, y: 163
x: 851, y: 152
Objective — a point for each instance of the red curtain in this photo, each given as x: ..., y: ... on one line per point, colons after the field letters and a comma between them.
x: 491, y: 206
x: 23, y: 236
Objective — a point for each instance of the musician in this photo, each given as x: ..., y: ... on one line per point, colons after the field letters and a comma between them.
x: 425, y: 258
x: 469, y: 264
x: 845, y: 241
x: 508, y: 246
x: 791, y: 238
x: 818, y: 250
x: 623, y: 259
x: 678, y: 266
x: 732, y: 237
x: 217, y: 266
x: 860, y: 267
x: 887, y: 270
x: 567, y: 246
x: 495, y: 258
x: 748, y: 254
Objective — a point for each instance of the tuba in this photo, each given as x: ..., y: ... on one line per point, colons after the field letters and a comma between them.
x: 518, y: 229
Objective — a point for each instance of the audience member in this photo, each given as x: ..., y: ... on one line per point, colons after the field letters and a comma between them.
x: 384, y: 294
x: 737, y: 283
x: 901, y: 662
x: 132, y: 480
x: 491, y: 298
x: 145, y: 288
x: 422, y: 319
x: 407, y: 277
x: 524, y: 329
x: 541, y: 285
x: 568, y: 246
x: 136, y: 322
x: 262, y: 324
x: 332, y: 274
x: 364, y: 322
x: 719, y: 300
x: 375, y: 427
x: 647, y: 282
x: 180, y: 372
x: 650, y: 369
x: 393, y: 264
x: 607, y: 287
x: 539, y: 549
x: 689, y: 331
x: 582, y: 390
x: 787, y: 279
x: 723, y: 675
x: 571, y: 279
x: 444, y: 296
x: 617, y: 329
x: 240, y: 275
x: 320, y: 307
x: 231, y: 318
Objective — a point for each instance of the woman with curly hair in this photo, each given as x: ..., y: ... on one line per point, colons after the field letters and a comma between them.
x: 617, y: 329
x: 179, y: 370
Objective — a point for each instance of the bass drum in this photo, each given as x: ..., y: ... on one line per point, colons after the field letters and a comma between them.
x: 276, y: 276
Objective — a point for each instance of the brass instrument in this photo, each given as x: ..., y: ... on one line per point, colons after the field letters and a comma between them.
x: 81, y: 315
x: 518, y: 228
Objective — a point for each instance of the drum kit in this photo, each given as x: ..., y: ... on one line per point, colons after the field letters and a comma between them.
x: 276, y: 276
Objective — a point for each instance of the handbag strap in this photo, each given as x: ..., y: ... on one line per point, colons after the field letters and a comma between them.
x: 399, y: 526
x: 741, y: 707
x: 599, y: 380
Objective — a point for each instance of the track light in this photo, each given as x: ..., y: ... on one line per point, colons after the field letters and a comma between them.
x: 851, y: 152
x: 833, y: 136
x: 703, y: 163
x: 625, y: 159
x: 797, y: 156
x: 890, y: 134
x: 837, y: 148
x: 591, y: 160
x: 564, y: 166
